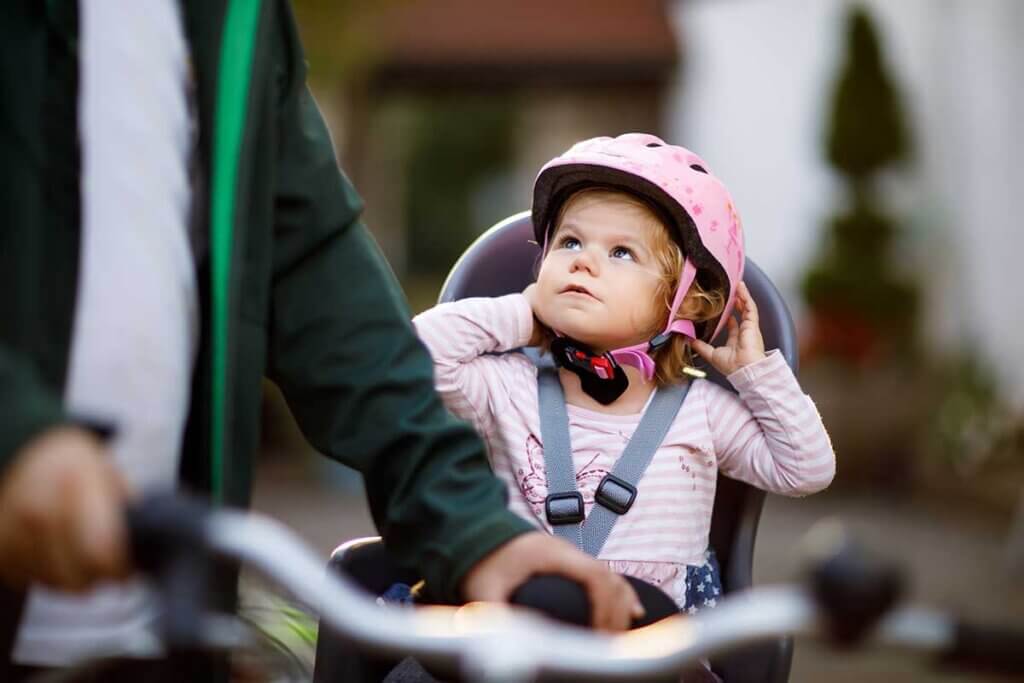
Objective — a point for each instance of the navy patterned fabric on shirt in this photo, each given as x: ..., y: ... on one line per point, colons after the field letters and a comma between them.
x: 703, y: 584
x: 398, y: 594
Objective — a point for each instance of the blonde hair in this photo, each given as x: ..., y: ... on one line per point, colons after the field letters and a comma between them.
x: 701, y: 304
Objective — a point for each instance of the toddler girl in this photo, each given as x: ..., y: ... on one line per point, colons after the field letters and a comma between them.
x: 642, y: 266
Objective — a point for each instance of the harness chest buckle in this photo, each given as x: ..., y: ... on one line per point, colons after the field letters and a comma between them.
x: 564, y: 508
x: 615, y: 494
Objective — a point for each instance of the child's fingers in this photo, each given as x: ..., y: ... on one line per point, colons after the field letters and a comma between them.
x: 749, y: 305
x: 734, y: 331
x: 702, y: 349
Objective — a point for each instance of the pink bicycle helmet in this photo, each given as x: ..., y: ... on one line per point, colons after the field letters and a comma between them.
x: 678, y: 185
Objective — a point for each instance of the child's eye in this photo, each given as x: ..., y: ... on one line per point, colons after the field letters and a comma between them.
x: 622, y: 252
x: 570, y: 243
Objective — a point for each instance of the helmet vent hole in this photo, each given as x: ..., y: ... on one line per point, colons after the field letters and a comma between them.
x: 698, y: 168
x: 653, y: 144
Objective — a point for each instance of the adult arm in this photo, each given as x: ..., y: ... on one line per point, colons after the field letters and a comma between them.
x: 360, y: 384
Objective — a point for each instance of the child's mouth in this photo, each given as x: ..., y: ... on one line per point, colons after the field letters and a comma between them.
x: 578, y: 289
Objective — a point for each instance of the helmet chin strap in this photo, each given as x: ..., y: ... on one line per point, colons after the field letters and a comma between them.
x: 601, y: 375
x: 601, y: 378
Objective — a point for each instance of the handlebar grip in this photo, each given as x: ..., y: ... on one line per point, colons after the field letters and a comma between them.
x: 167, y: 541
x: 562, y: 599
x: 987, y: 648
x: 163, y: 526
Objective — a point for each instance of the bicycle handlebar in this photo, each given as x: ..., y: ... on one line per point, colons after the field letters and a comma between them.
x: 847, y: 599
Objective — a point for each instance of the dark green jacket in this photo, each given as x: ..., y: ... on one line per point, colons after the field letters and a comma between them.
x: 311, y: 303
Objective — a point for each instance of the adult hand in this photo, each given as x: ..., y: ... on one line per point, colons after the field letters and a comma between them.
x: 613, y: 603
x: 61, y: 513
x: 744, y: 345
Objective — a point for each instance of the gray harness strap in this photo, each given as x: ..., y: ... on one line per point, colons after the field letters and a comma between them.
x: 617, y: 491
x: 563, y: 498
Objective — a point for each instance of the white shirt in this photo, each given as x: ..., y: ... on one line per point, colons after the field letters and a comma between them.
x: 136, y: 323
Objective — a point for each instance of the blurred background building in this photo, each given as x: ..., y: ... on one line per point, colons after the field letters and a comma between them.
x: 872, y: 149
x: 465, y: 100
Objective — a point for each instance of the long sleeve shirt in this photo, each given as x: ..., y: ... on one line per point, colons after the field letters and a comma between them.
x: 769, y: 434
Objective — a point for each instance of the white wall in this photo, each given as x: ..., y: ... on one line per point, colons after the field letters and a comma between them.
x: 753, y: 98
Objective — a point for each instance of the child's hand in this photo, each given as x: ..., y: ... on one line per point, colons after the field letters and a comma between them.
x: 531, y: 293
x: 744, y: 346
x: 538, y: 330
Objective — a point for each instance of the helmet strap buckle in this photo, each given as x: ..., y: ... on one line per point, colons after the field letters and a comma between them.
x: 601, y: 378
x: 659, y: 341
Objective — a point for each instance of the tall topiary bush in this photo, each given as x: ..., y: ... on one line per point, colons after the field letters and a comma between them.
x: 859, y: 302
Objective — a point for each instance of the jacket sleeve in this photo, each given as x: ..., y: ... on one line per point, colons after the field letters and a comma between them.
x: 27, y: 406
x: 343, y: 352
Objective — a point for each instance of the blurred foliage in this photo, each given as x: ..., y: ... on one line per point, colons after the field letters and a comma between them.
x: 287, y: 634
x: 867, y: 130
x: 457, y: 147
x: 338, y: 37
x: 852, y: 274
x: 973, y: 425
x: 422, y: 290
x: 859, y: 302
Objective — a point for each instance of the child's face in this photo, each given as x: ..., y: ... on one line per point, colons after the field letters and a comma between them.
x: 599, y: 282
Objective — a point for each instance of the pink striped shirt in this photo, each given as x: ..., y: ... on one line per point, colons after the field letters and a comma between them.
x: 770, y: 436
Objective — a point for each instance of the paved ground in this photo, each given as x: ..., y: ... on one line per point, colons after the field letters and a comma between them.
x: 954, y: 557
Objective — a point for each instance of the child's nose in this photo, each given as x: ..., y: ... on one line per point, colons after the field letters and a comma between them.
x: 585, y: 260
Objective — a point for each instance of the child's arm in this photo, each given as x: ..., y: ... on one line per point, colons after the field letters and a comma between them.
x: 770, y: 435
x: 459, y: 335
